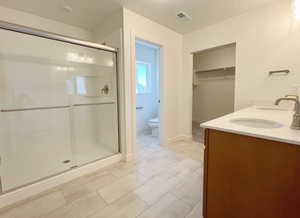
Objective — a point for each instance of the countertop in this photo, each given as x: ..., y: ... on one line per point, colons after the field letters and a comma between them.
x: 281, y: 134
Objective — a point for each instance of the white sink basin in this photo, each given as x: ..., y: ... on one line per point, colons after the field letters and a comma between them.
x: 256, y: 123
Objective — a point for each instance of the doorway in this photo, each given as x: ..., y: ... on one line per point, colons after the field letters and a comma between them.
x: 147, y: 67
x: 213, y: 85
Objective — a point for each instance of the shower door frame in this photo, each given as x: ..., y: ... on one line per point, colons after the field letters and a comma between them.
x: 48, y: 35
x: 57, y: 37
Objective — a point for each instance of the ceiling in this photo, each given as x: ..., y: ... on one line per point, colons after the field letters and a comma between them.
x: 88, y: 13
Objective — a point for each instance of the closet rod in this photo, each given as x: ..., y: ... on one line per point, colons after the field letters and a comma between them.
x: 217, y: 69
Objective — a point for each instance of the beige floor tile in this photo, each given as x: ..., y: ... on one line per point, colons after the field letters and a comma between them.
x: 74, y: 190
x: 191, y: 164
x: 196, y: 212
x: 181, y: 170
x: 5, y: 215
x: 127, y: 207
x: 101, y: 172
x: 199, y: 171
x: 153, y: 190
x: 79, y: 209
x: 124, y: 169
x: 122, y: 187
x: 155, y: 167
x: 167, y: 207
x: 162, y: 183
x: 191, y: 190
x: 37, y: 207
x: 95, y: 183
x: 144, y: 140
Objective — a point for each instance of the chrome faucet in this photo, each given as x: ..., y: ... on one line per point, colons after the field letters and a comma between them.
x: 296, y: 117
x: 294, y: 96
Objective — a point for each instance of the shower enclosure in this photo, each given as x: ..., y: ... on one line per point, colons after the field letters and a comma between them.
x: 58, y: 104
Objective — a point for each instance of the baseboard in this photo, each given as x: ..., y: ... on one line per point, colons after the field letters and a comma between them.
x: 180, y: 138
x: 129, y: 157
x: 39, y: 187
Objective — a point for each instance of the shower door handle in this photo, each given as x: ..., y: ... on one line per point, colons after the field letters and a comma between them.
x: 139, y: 108
x: 34, y: 108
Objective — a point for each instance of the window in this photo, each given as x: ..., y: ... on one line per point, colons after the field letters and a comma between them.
x: 143, y: 78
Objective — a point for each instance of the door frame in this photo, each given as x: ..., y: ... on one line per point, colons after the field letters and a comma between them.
x: 195, y: 51
x: 162, y: 135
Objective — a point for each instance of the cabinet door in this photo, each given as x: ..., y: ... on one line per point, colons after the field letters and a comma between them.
x: 250, y: 177
x: 206, y: 145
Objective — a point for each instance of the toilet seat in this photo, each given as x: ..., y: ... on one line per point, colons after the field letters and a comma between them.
x: 154, y: 121
x: 154, y: 125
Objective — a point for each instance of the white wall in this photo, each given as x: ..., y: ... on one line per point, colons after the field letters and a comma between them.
x: 108, y: 31
x: 215, y: 58
x: 148, y: 101
x: 267, y: 39
x: 26, y: 19
x: 171, y: 64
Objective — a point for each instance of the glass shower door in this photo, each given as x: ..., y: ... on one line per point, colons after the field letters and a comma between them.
x: 94, y: 110
x: 58, y: 107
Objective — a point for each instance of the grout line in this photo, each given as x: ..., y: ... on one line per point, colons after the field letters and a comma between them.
x: 156, y: 202
x: 193, y: 209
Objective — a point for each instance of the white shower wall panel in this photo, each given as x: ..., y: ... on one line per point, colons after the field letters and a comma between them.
x: 26, y: 84
x: 95, y: 132
x: 34, y: 145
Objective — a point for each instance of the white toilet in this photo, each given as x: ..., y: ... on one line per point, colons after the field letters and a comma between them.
x: 154, y: 125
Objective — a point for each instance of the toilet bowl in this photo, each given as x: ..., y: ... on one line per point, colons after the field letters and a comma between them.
x: 154, y: 125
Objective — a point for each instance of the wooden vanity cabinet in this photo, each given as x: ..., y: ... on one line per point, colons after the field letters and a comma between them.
x: 248, y: 177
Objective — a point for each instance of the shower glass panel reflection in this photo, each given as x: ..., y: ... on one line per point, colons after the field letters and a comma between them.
x: 58, y: 105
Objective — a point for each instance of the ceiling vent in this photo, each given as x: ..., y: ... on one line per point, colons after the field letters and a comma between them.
x: 183, y: 16
x: 67, y: 8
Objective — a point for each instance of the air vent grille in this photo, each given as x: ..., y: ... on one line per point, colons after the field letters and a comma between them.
x: 183, y: 16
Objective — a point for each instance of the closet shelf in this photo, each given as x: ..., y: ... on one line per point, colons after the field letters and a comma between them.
x: 214, y: 70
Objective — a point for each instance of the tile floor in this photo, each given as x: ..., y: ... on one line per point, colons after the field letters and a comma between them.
x: 162, y: 182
